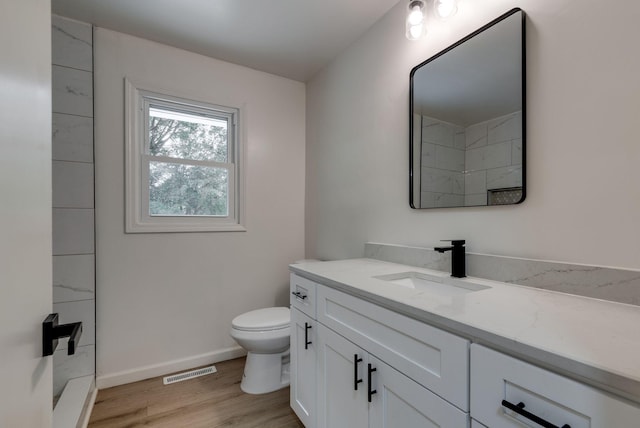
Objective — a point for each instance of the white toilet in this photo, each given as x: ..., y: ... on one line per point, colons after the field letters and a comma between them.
x: 264, y: 333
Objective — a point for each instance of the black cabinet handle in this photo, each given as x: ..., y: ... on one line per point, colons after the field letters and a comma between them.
x: 356, y: 381
x: 519, y: 409
x: 299, y: 295
x: 370, y: 391
x: 51, y: 332
x: 307, y: 342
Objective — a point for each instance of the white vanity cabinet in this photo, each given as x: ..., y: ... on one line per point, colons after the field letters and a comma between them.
x: 374, y: 368
x: 424, y: 376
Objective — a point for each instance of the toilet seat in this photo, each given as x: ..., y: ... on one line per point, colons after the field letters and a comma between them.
x: 266, y: 319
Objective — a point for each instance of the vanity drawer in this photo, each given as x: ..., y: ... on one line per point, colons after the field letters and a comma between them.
x: 303, y: 295
x: 496, y: 377
x: 434, y: 358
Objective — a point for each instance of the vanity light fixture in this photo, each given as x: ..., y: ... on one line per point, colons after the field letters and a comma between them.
x: 445, y: 9
x: 415, y: 23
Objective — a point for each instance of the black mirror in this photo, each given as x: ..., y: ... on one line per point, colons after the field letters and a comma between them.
x: 467, y: 120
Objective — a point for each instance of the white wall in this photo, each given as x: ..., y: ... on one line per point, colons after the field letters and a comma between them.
x: 25, y: 212
x: 167, y: 300
x: 583, y: 201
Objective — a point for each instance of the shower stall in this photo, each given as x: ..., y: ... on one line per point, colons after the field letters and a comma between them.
x: 73, y: 217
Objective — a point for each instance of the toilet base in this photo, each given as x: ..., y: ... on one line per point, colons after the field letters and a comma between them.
x: 265, y: 372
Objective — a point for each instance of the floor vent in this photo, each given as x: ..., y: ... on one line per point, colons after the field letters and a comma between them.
x: 189, y: 375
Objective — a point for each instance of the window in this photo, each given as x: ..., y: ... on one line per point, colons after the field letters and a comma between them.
x: 183, y: 164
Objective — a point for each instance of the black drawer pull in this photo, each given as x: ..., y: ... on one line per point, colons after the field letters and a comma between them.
x: 299, y: 295
x: 356, y: 381
x: 519, y: 409
x: 370, y: 391
x: 307, y: 342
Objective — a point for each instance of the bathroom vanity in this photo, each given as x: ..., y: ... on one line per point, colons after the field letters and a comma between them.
x: 378, y: 344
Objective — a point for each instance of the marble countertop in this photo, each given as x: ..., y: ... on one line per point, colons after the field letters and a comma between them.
x: 593, y: 341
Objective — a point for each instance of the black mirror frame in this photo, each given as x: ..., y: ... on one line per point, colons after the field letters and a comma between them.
x: 524, y: 103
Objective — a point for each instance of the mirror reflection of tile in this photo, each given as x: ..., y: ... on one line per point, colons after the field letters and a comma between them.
x: 480, y: 164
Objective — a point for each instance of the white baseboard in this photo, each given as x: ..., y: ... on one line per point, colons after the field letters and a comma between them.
x: 146, y: 372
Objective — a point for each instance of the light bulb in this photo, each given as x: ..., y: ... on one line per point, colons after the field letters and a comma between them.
x: 415, y: 31
x: 445, y: 8
x: 415, y: 27
x: 415, y: 16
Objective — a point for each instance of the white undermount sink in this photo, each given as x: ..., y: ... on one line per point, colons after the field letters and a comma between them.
x: 432, y: 284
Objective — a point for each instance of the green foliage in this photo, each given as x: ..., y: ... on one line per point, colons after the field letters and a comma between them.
x: 178, y: 189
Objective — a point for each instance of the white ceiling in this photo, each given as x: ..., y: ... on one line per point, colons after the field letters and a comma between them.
x: 290, y: 38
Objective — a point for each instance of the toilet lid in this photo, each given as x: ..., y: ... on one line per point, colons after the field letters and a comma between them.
x: 262, y: 319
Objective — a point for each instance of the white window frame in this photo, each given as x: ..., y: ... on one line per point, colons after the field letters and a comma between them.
x: 137, y: 161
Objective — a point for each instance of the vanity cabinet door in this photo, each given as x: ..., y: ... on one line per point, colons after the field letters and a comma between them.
x: 303, y: 367
x: 432, y: 357
x: 401, y: 402
x: 340, y: 405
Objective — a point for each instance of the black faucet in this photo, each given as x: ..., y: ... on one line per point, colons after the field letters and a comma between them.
x: 457, y: 257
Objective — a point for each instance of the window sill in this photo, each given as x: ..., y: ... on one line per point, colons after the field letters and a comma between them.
x: 182, y: 228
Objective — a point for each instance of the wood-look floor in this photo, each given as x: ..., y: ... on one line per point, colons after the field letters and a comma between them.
x: 210, y: 401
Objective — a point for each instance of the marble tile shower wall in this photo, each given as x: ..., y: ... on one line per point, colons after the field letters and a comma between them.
x: 442, y: 164
x: 460, y: 164
x: 73, y: 201
x: 493, y: 157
